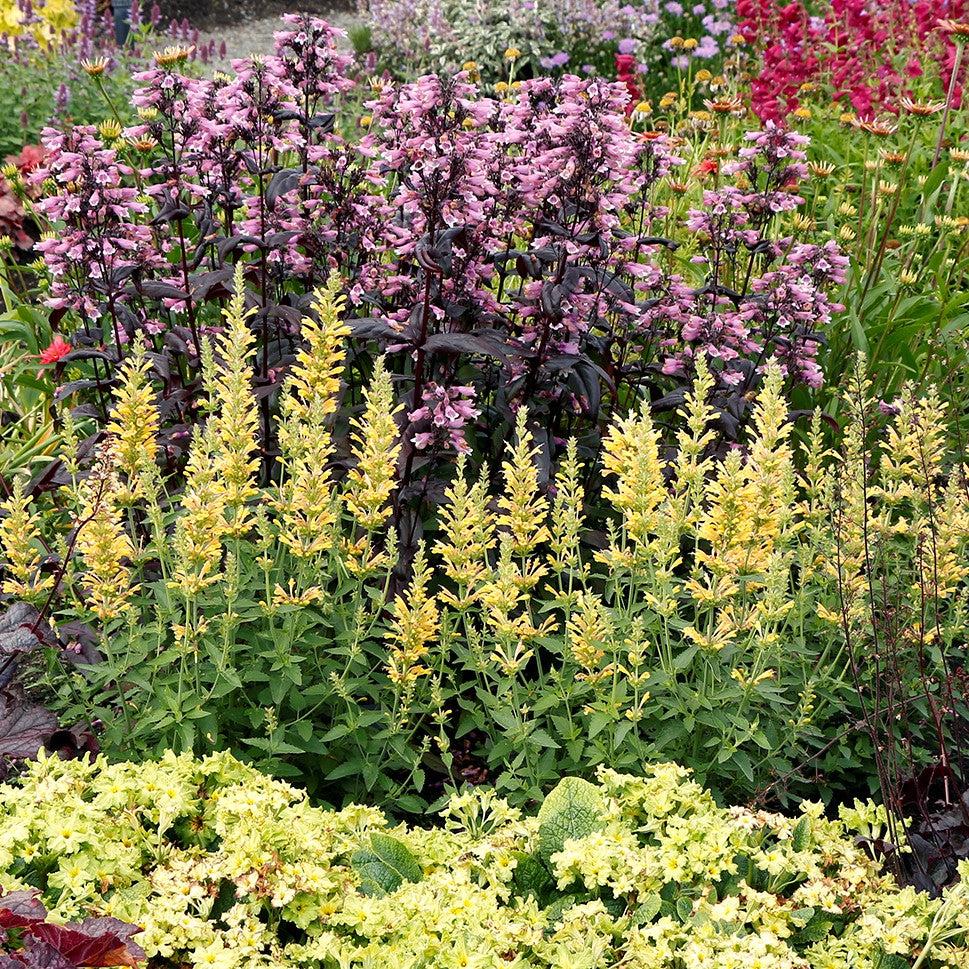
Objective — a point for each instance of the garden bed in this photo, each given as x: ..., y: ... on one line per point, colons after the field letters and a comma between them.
x: 490, y: 493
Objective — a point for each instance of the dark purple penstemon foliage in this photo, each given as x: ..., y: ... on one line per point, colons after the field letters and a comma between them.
x: 504, y: 252
x: 28, y: 939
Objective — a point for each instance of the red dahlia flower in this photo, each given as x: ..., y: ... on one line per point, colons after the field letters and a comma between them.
x: 58, y: 349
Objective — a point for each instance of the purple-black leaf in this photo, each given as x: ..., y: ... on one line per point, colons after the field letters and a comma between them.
x: 25, y: 726
x: 16, y: 632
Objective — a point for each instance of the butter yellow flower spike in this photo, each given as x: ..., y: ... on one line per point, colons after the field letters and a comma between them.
x: 727, y: 524
x: 502, y: 596
x: 691, y: 468
x: 306, y: 502
x: 913, y: 462
x: 414, y: 626
x: 468, y: 534
x: 523, y: 507
x: 567, y: 512
x: 941, y: 549
x: 202, y: 526
x: 770, y: 466
x: 20, y: 540
x: 376, y: 447
x: 589, y: 631
x: 815, y: 484
x: 853, y: 517
x: 305, y: 499
x: 313, y: 384
x: 815, y: 479
x: 134, y: 425
x: 233, y: 423
x: 631, y: 455
x: 104, y: 545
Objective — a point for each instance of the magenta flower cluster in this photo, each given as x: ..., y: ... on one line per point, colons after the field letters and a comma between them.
x: 506, y: 251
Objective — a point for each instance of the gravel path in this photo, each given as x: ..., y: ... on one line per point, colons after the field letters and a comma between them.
x: 255, y: 35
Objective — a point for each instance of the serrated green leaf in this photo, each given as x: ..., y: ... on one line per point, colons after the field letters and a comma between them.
x: 531, y: 877
x: 801, y: 839
x: 574, y: 809
x: 385, y: 865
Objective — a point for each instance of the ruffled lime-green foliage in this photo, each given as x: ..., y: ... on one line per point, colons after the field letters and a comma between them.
x: 225, y: 867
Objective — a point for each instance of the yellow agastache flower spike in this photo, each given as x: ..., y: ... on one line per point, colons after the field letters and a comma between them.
x: 376, y: 446
x: 631, y: 456
x: 234, y: 421
x: 468, y: 534
x: 20, y: 540
x: 413, y: 627
x: 567, y: 512
x: 523, y: 507
x: 202, y: 527
x: 104, y: 545
x: 318, y: 369
x: 589, y: 631
x: 770, y: 466
x: 311, y: 394
x: 134, y: 425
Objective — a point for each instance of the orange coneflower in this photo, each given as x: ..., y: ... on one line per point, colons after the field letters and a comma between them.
x: 955, y: 28
x: 922, y: 109
x: 820, y: 169
x: 725, y: 106
x: 172, y: 55
x: 874, y: 127
x: 709, y: 166
x: 95, y: 67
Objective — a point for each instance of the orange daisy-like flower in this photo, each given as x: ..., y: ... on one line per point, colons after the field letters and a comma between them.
x: 821, y: 169
x: 725, y: 106
x: 955, y: 28
x: 95, y: 67
x: 922, y: 109
x: 172, y: 55
x: 874, y: 127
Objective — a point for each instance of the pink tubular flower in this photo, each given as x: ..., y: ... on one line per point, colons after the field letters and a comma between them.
x: 102, y: 239
x: 523, y: 241
x: 445, y: 412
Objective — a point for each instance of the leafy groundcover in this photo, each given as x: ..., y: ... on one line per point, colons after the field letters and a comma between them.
x: 223, y: 866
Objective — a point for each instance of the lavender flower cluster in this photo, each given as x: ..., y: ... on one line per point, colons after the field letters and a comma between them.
x: 549, y: 35
x: 705, y: 29
x: 508, y: 250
